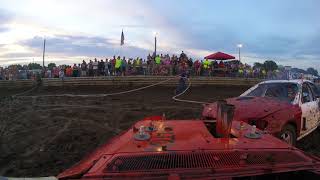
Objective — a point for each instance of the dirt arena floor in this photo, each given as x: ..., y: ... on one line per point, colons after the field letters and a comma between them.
x: 42, y: 136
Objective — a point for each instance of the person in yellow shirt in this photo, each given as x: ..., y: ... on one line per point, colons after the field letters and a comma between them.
x: 240, y: 72
x: 206, y: 66
x: 118, y: 65
x: 138, y: 65
x: 264, y: 73
x: 158, y: 60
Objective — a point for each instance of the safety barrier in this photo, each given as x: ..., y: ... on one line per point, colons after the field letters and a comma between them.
x: 12, y: 84
x: 131, y: 81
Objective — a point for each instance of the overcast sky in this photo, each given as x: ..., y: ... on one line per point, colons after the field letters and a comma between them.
x: 287, y: 31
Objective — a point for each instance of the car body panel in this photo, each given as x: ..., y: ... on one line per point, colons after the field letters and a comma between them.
x: 190, y: 145
x: 304, y: 116
x: 276, y: 113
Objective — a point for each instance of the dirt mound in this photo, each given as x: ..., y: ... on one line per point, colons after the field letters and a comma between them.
x: 42, y: 136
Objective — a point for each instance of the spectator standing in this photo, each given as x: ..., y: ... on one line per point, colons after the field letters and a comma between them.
x: 118, y: 66
x: 113, y: 64
x: 138, y: 66
x: 197, y: 67
x: 83, y: 68
x: 221, y: 64
x: 190, y: 64
x: 49, y: 73
x: 182, y: 56
x: 123, y: 66
x: 74, y: 70
x: 206, y: 65
x: 157, y: 64
x: 61, y: 74
x: 144, y: 67
x: 150, y: 64
x: 129, y: 66
x: 95, y: 67
x: 106, y: 68
x: 134, y: 66
x: 101, y: 67
x: 69, y: 71
x: 90, y: 68
x: 158, y: 60
x: 55, y: 72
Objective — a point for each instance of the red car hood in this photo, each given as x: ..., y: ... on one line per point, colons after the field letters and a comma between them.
x: 185, y: 149
x: 250, y: 107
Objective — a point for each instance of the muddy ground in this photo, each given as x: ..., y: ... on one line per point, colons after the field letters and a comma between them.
x: 42, y: 136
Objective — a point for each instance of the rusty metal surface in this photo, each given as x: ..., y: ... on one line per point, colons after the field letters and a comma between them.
x: 275, y: 112
x: 186, y: 146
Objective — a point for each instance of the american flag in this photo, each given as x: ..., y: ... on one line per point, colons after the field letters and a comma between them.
x: 122, y: 38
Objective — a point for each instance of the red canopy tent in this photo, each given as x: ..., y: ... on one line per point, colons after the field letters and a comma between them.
x: 219, y: 56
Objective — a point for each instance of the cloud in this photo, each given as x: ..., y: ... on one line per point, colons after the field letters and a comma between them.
x: 76, y: 29
x: 5, y: 17
x: 77, y: 45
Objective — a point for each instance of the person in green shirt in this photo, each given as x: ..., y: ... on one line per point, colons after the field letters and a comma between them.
x: 240, y: 71
x: 206, y: 66
x: 158, y: 60
x: 118, y: 65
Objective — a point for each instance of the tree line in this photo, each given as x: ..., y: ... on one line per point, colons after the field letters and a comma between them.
x: 270, y: 65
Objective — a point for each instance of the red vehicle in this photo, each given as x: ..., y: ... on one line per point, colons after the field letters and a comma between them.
x: 155, y: 148
x: 288, y: 109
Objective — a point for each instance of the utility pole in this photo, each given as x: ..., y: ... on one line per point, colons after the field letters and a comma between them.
x: 155, y: 45
x: 239, y: 54
x: 239, y: 47
x: 44, y: 50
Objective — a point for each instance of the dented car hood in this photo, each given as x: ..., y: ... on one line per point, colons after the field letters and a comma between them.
x: 247, y: 107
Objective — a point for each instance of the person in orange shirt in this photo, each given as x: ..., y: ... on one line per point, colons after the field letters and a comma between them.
x: 221, y: 65
x: 69, y: 71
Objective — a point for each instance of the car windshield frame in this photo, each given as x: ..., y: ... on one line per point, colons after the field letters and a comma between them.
x: 277, y: 90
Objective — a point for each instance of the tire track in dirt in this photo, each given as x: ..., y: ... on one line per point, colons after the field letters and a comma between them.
x: 94, y: 121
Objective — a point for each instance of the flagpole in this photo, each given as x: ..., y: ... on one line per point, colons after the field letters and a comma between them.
x: 121, y: 42
x: 120, y: 50
x: 43, y: 53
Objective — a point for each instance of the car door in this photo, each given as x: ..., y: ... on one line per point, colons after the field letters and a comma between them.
x: 308, y: 107
x: 316, y: 99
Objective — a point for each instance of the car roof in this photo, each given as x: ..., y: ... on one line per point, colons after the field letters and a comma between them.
x: 296, y: 81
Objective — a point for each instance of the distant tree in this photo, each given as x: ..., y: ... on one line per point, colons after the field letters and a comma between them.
x: 258, y: 65
x: 19, y: 66
x: 63, y: 65
x: 51, y: 65
x: 270, y: 65
x: 34, y: 66
x: 297, y: 70
x: 281, y: 67
x: 312, y: 71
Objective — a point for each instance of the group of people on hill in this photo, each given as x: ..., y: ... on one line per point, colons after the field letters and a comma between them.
x: 153, y: 65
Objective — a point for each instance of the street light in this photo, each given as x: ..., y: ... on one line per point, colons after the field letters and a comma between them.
x: 239, y: 46
x: 155, y: 42
x: 44, y: 50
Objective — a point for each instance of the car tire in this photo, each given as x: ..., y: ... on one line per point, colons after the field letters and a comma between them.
x: 288, y: 134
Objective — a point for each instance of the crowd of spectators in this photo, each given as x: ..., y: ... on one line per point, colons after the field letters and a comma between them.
x: 163, y: 65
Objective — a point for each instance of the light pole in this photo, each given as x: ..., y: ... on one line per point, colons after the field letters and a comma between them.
x: 44, y: 50
x: 155, y: 43
x: 239, y: 47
